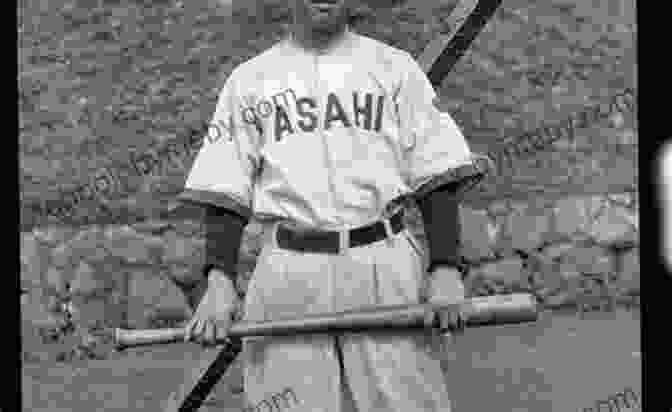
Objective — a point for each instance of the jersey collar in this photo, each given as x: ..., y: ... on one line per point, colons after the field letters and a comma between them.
x: 342, y: 43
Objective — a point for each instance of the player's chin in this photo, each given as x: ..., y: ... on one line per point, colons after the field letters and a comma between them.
x: 317, y: 19
x: 326, y: 25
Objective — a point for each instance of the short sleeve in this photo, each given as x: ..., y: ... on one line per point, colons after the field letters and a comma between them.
x: 436, y: 152
x: 227, y: 164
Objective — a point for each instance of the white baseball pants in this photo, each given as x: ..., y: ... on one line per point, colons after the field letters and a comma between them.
x: 363, y: 372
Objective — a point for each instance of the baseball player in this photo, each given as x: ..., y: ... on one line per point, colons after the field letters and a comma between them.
x: 322, y: 138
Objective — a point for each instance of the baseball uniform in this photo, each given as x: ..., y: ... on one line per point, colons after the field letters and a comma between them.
x: 308, y: 142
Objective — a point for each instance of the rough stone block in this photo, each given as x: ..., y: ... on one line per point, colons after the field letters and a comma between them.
x: 543, y: 272
x: 153, y: 227
x: 34, y: 259
x: 155, y: 291
x: 185, y: 275
x: 586, y: 260
x: 132, y: 247
x: 89, y: 313
x: 616, y: 120
x: 508, y: 271
x: 183, y: 250
x: 594, y: 204
x: 88, y: 243
x: 570, y: 216
x: 629, y: 276
x: 56, y: 279
x: 62, y: 257
x: 622, y: 199
x: 53, y: 235
x: 478, y: 234
x: 498, y: 208
x: 560, y: 298
x: 166, y: 317
x: 88, y: 282
x: 187, y: 228
x: 136, y: 313
x: 527, y: 229
x: 627, y: 137
x: 35, y: 312
x: 616, y: 226
x: 558, y: 250
x: 568, y: 270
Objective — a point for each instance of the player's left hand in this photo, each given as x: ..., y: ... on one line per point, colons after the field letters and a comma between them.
x: 446, y: 287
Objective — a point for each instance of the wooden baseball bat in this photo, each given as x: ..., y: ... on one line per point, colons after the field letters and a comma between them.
x: 480, y: 311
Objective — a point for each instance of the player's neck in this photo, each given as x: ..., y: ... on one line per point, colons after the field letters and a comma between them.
x: 316, y: 40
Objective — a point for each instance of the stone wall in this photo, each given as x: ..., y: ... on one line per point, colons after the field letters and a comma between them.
x: 129, y: 275
x: 543, y: 223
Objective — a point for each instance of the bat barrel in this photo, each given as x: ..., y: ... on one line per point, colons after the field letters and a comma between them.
x: 510, y: 309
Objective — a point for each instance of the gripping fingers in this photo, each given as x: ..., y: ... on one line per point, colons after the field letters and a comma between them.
x: 189, y: 330
x: 204, y: 331
x: 453, y: 322
x: 430, y: 320
x: 459, y: 322
x: 209, y: 333
x: 194, y: 330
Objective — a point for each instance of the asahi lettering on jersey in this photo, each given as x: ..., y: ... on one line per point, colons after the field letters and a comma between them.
x: 362, y: 110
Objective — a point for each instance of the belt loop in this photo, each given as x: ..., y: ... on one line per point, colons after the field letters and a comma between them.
x: 344, y: 241
x: 274, y: 235
x: 388, y: 232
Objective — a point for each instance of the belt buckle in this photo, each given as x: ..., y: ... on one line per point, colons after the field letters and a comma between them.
x: 343, y: 241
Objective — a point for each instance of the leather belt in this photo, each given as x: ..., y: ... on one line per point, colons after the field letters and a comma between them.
x: 329, y: 242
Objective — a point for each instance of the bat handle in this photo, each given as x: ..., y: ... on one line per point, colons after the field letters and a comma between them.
x: 125, y: 338
x: 129, y: 338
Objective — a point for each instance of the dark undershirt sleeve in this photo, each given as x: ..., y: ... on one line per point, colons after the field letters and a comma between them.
x: 441, y: 218
x: 439, y: 203
x: 223, y: 234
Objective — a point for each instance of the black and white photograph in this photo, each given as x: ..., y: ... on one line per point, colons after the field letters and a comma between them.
x: 331, y: 206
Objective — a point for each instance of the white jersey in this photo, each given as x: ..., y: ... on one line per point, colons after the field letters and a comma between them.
x: 325, y: 139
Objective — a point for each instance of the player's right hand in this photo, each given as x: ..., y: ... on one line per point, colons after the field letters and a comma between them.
x: 215, y: 313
